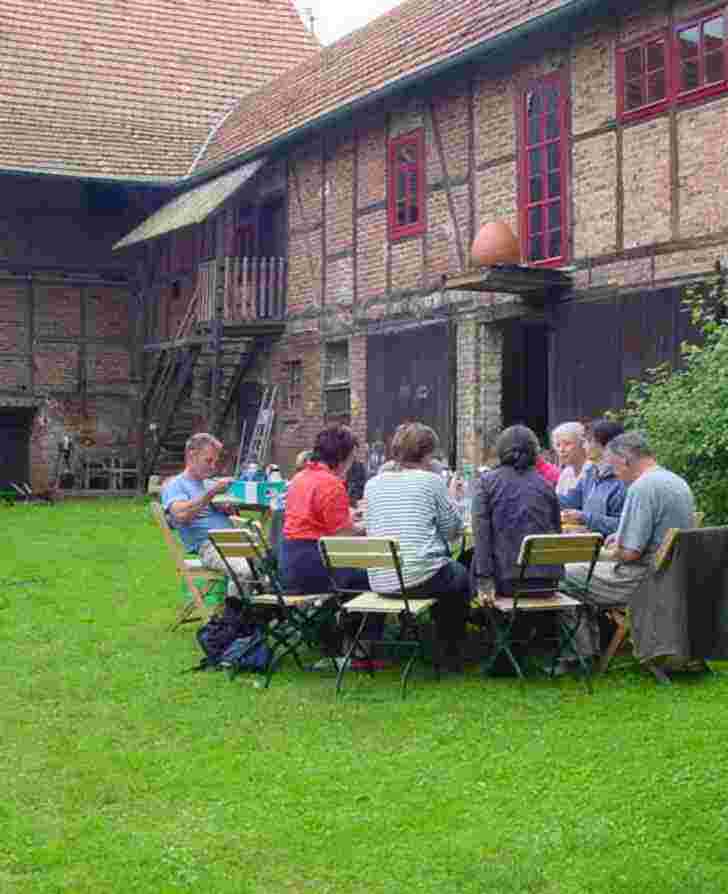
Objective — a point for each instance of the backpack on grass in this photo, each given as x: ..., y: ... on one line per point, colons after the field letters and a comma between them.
x: 229, y: 640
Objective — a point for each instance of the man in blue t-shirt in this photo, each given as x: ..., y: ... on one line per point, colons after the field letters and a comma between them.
x: 187, y: 501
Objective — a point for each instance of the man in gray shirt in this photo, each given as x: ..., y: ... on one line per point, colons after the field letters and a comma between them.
x: 656, y: 501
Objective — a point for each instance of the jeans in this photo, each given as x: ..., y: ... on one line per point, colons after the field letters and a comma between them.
x: 451, y: 584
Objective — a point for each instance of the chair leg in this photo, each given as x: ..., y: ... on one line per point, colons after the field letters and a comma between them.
x: 349, y: 653
x: 185, y: 615
x: 502, y: 645
x: 567, y: 640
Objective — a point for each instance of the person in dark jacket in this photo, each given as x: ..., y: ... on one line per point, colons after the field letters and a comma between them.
x: 598, y: 497
x: 509, y: 503
x: 355, y: 480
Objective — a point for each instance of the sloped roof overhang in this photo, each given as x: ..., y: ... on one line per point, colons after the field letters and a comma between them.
x: 193, y: 206
x: 569, y: 11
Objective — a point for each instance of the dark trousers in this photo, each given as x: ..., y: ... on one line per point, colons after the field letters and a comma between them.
x: 302, y: 571
x: 451, y: 584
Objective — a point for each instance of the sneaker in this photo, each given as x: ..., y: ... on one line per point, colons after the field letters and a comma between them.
x: 563, y: 666
x: 328, y: 664
x: 361, y: 664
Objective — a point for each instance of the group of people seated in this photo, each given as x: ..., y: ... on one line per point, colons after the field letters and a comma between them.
x: 608, y: 481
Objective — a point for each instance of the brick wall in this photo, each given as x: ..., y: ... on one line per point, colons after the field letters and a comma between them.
x: 635, y: 191
x: 65, y: 333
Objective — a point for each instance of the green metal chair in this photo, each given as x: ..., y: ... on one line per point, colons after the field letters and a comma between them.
x: 289, y: 621
x: 378, y: 553
x: 545, y: 549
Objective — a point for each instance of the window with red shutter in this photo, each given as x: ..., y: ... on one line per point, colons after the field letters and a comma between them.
x: 406, y: 186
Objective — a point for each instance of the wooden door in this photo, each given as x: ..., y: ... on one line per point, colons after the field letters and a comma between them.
x: 410, y: 379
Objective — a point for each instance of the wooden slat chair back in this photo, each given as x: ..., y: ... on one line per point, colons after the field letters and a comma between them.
x: 376, y: 553
x: 189, y: 570
x: 545, y: 549
x: 619, y: 614
x: 288, y: 620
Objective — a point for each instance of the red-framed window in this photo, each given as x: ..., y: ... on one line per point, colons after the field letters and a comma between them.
x: 700, y: 55
x: 643, y: 76
x: 666, y: 68
x: 406, y: 185
x: 544, y: 181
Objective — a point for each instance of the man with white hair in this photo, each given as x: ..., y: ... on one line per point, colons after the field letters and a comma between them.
x: 569, y: 442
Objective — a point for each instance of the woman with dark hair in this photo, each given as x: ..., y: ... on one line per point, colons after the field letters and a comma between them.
x: 509, y: 503
x: 412, y: 503
x: 317, y: 505
x: 597, y: 500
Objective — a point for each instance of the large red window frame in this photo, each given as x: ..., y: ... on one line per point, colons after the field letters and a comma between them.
x: 543, y: 169
x: 695, y: 65
x: 699, y: 53
x: 644, y: 76
x: 406, y: 185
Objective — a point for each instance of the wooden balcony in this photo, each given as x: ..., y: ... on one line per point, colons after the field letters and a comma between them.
x: 250, y: 291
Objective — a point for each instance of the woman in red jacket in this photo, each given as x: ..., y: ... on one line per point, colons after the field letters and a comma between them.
x: 317, y: 505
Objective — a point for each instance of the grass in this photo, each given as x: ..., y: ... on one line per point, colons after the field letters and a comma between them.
x: 120, y: 774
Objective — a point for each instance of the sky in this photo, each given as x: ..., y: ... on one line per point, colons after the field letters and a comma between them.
x: 335, y: 18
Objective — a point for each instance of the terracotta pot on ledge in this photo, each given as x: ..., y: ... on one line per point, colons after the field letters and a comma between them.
x: 495, y: 244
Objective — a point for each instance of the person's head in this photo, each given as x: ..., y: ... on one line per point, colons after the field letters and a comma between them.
x: 302, y: 458
x: 202, y: 455
x: 569, y: 443
x: 518, y: 447
x: 629, y: 454
x: 414, y: 444
x: 600, y: 434
x: 335, y: 446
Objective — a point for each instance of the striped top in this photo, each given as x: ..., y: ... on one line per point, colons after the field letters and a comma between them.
x: 413, y: 506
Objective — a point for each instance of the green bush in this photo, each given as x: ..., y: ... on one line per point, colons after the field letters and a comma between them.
x: 685, y: 411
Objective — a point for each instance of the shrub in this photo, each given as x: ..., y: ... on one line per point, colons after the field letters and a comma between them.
x: 685, y: 411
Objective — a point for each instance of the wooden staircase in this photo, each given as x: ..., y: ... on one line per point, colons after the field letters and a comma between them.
x: 195, y: 380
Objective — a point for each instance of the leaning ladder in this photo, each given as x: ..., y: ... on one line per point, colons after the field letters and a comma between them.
x: 260, y: 438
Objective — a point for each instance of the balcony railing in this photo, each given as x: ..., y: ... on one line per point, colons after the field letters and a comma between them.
x: 253, y: 289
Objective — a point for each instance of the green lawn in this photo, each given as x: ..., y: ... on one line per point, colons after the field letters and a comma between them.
x: 121, y: 774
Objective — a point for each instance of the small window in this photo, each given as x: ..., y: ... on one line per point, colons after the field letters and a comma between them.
x: 337, y: 363
x: 643, y: 76
x: 543, y: 188
x: 701, y: 54
x: 337, y: 402
x: 292, y: 396
x: 406, y: 186
x: 337, y: 393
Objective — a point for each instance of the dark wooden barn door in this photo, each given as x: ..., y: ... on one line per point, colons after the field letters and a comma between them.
x: 14, y: 447
x: 597, y: 346
x: 524, y: 386
x: 409, y: 379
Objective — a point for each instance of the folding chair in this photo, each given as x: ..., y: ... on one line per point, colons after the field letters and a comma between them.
x: 380, y: 553
x: 189, y: 570
x: 545, y: 549
x: 619, y: 614
x: 288, y: 621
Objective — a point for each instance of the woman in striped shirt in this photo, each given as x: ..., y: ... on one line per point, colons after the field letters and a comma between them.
x: 413, y: 504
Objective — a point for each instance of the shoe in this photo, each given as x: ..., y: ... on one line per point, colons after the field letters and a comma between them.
x: 361, y: 664
x: 563, y: 666
x: 327, y: 664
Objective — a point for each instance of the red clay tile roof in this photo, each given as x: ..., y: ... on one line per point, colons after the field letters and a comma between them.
x: 132, y: 89
x: 410, y: 38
